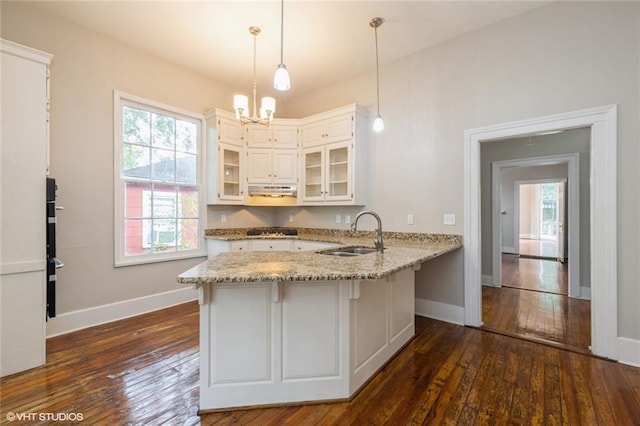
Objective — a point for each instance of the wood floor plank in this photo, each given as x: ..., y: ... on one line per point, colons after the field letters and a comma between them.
x: 144, y: 370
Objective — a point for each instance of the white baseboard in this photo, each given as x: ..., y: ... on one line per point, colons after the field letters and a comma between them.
x: 440, y: 311
x: 508, y: 249
x: 585, y: 293
x: 488, y: 280
x: 629, y: 351
x: 77, y: 320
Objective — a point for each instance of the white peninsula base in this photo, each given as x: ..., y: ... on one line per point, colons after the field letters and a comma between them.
x: 291, y: 342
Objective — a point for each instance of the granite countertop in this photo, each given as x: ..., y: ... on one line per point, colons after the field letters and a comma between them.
x: 402, y: 250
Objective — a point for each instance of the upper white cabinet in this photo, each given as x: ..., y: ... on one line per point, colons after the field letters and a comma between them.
x: 333, y: 126
x: 323, y: 154
x: 333, y: 166
x: 228, y: 130
x: 272, y: 166
x: 226, y: 170
x: 281, y: 133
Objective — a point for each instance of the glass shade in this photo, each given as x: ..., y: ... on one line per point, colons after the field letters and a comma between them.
x: 281, y: 80
x: 378, y: 124
x: 268, y: 104
x: 241, y: 106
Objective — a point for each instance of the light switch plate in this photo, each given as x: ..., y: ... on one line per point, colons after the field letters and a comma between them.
x: 290, y: 218
x: 409, y: 219
x: 347, y: 218
x: 338, y: 218
x: 449, y: 219
x: 223, y: 218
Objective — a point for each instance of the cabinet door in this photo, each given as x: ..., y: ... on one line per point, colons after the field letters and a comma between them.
x: 339, y: 128
x: 239, y: 246
x: 285, y: 166
x: 313, y: 134
x: 338, y: 172
x: 284, y: 136
x: 230, y: 131
x: 230, y: 173
x: 271, y: 245
x: 313, y: 174
x: 259, y: 167
x: 258, y: 136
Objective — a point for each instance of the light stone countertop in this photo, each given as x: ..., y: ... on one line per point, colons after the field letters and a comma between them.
x: 402, y: 250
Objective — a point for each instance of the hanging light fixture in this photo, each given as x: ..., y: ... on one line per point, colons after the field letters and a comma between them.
x: 378, y: 124
x: 241, y: 102
x: 281, y: 80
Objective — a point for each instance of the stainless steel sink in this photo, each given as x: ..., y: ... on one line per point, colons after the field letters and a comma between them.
x: 348, y: 251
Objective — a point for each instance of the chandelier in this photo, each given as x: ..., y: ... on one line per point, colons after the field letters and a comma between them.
x: 241, y: 102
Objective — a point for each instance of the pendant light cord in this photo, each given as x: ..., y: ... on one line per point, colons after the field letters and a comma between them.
x: 282, y: 32
x: 377, y: 70
x: 254, y: 78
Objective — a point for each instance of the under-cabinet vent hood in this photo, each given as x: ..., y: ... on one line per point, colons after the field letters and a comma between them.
x: 273, y: 190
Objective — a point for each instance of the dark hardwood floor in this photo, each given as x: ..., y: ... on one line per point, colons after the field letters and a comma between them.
x: 533, y: 304
x: 144, y: 370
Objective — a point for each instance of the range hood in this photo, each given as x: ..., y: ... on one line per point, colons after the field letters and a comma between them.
x: 273, y: 190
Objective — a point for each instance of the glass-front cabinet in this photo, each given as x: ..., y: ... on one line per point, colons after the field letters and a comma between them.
x: 230, y: 173
x: 328, y: 173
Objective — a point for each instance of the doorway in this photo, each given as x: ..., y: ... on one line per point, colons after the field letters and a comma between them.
x: 540, y: 219
x: 602, y: 122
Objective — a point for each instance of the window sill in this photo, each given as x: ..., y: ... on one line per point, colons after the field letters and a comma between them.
x: 161, y: 257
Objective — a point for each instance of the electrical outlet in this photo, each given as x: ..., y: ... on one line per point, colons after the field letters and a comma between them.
x: 290, y: 218
x: 449, y: 219
x: 223, y: 218
x: 338, y: 218
x: 409, y: 219
x: 347, y: 218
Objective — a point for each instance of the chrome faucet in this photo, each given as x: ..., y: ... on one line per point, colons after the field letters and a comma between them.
x: 378, y: 240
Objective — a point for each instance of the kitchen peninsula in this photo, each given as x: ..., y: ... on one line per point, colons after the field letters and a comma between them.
x: 283, y: 327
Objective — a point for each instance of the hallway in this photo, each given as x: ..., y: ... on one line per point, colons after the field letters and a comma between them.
x: 533, y: 304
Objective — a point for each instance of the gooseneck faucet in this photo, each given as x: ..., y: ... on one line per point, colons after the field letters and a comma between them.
x: 378, y: 240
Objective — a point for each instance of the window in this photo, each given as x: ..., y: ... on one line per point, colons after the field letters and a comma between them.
x: 159, y: 206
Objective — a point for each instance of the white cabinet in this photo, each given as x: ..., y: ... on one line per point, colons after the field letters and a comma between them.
x: 281, y: 133
x: 271, y: 245
x: 333, y: 168
x: 228, y: 130
x: 328, y: 173
x: 301, y: 245
x: 272, y: 166
x: 326, y: 128
x: 23, y: 170
x: 226, y: 180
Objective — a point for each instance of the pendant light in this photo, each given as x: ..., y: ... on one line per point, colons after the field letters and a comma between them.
x: 241, y: 102
x: 281, y: 80
x: 378, y: 124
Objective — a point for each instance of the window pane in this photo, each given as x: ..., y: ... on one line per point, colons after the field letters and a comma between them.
x: 164, y: 235
x: 136, y: 203
x: 187, y: 234
x: 136, y: 126
x: 187, y: 202
x: 185, y: 168
x: 186, y: 136
x: 163, y: 131
x: 137, y: 236
x: 164, y: 204
x: 135, y: 161
x: 162, y: 165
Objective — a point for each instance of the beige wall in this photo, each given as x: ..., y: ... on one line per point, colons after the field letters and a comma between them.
x: 561, y: 57
x: 85, y: 70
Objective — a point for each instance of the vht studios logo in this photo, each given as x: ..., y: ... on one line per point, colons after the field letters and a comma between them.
x: 44, y: 417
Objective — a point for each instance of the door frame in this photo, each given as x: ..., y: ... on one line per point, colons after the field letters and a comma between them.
x: 573, y: 177
x: 603, y: 209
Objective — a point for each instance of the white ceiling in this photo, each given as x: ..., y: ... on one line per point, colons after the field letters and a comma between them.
x: 324, y: 41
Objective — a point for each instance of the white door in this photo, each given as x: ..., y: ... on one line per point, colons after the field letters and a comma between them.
x: 561, y: 220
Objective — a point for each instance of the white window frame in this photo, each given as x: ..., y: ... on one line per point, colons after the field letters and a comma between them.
x: 121, y: 99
